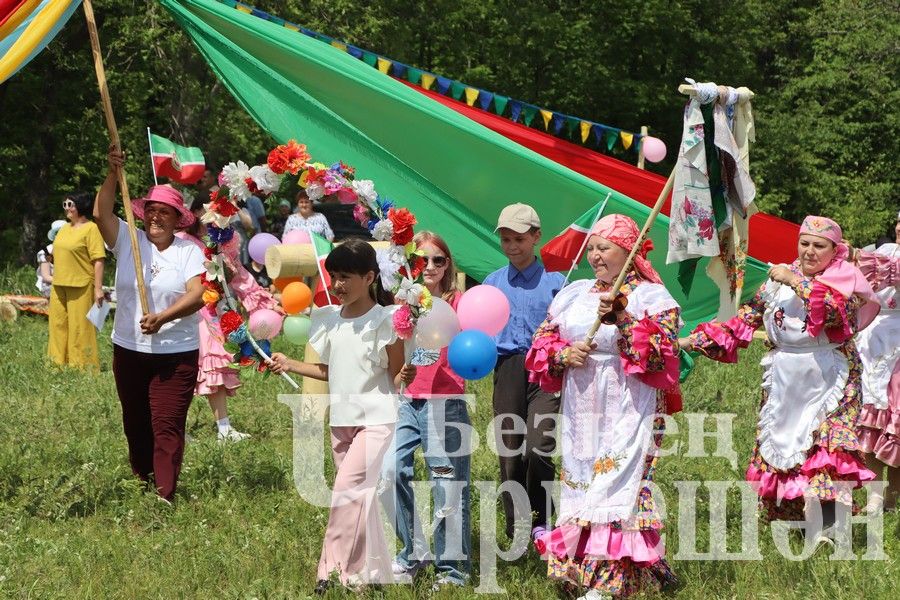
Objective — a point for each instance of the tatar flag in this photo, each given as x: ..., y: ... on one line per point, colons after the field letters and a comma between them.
x: 180, y: 164
x: 560, y: 253
x: 322, y: 247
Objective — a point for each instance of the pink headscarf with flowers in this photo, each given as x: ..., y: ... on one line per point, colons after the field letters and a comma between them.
x: 841, y: 275
x: 623, y: 232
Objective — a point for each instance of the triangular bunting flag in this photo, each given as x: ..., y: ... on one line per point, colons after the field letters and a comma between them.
x: 370, y: 59
x: 484, y: 99
x: 427, y: 80
x: 557, y: 121
x: 585, y: 130
x: 355, y: 52
x: 626, y: 139
x: 443, y: 84
x: 276, y: 20
x: 530, y: 112
x: 398, y: 69
x: 339, y: 45
x: 291, y: 26
x: 414, y: 76
x: 548, y: 116
x: 471, y: 96
x: 571, y: 124
x: 598, y: 134
x: 611, y: 137
x: 500, y: 103
x: 457, y: 89
x: 515, y: 109
x: 384, y: 65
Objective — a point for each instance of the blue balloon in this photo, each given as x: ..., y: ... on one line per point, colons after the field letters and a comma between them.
x: 472, y: 354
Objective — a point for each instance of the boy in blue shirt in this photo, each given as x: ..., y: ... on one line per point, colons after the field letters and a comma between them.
x: 529, y: 289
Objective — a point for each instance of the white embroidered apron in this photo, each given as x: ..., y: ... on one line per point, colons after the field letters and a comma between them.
x: 879, y: 343
x: 804, y: 376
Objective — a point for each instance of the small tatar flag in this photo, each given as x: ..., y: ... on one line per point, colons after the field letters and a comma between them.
x: 322, y: 247
x: 180, y: 164
x: 560, y: 253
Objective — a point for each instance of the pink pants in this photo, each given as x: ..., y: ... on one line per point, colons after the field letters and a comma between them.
x: 354, y: 543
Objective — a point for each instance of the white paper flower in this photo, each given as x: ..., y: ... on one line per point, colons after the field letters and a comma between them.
x: 235, y: 179
x: 315, y: 191
x: 265, y: 179
x: 215, y: 269
x: 383, y: 230
x: 409, y: 292
x: 365, y: 189
x: 219, y: 220
x: 388, y: 268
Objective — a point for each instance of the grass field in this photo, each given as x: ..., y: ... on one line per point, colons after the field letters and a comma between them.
x: 75, y: 524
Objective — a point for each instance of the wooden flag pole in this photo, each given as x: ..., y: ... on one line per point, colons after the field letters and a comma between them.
x: 634, y: 250
x: 640, y: 163
x: 114, y: 139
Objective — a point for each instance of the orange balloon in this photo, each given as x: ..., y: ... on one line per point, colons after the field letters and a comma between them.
x: 295, y: 297
x: 282, y: 282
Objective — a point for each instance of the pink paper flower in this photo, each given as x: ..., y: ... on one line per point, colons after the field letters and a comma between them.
x: 403, y: 322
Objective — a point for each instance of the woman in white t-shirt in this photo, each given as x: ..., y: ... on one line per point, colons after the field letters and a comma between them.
x: 362, y: 360
x: 307, y: 219
x: 154, y: 354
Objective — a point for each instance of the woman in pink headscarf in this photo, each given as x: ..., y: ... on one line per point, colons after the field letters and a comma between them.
x: 806, y: 438
x: 606, y: 540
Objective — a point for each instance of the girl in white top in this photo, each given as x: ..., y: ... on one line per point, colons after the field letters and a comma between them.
x: 362, y: 360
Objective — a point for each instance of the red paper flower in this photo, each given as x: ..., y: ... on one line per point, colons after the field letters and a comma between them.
x: 403, y: 221
x: 251, y: 185
x: 221, y: 205
x: 417, y: 264
x: 229, y: 322
x: 290, y: 158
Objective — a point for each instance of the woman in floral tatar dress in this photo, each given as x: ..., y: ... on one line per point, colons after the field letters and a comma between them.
x: 806, y: 438
x: 606, y: 540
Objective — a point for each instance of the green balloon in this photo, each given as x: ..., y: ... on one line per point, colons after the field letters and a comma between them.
x: 296, y: 329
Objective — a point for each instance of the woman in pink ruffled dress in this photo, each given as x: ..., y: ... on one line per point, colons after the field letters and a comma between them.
x: 606, y: 540
x: 216, y: 378
x: 806, y: 440
x: 878, y: 427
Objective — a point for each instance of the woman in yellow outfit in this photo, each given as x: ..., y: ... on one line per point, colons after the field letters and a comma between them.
x: 78, y: 256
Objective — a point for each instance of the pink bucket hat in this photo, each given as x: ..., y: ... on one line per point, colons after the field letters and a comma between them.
x: 164, y: 194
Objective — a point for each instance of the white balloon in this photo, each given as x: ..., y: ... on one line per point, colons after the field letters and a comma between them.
x: 438, y: 327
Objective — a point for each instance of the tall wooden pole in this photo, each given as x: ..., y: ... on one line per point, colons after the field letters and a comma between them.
x: 114, y: 139
x: 640, y: 164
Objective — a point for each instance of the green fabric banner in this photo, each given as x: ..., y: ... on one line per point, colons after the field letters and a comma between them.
x: 453, y: 173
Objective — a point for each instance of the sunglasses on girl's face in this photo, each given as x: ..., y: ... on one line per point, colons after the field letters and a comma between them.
x: 68, y: 204
x: 438, y: 261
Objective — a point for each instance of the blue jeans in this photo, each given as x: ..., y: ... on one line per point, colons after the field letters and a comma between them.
x: 430, y: 424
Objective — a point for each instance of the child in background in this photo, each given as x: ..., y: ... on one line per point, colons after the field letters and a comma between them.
x: 432, y: 409
x: 362, y: 361
x: 529, y: 289
x: 45, y: 260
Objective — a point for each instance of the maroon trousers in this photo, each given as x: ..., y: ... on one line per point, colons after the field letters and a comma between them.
x: 155, y: 391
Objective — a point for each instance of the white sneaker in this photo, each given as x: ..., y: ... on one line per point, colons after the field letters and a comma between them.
x: 232, y: 435
x: 402, y: 574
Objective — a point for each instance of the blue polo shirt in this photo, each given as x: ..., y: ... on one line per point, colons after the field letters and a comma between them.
x: 529, y: 293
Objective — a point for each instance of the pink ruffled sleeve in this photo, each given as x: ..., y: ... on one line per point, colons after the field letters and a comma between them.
x: 546, y: 359
x: 881, y: 271
x: 649, y: 347
x: 827, y: 309
x: 721, y: 341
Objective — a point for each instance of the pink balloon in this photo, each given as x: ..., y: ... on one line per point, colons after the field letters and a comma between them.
x: 654, y: 149
x: 484, y: 308
x: 265, y: 324
x: 296, y: 236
